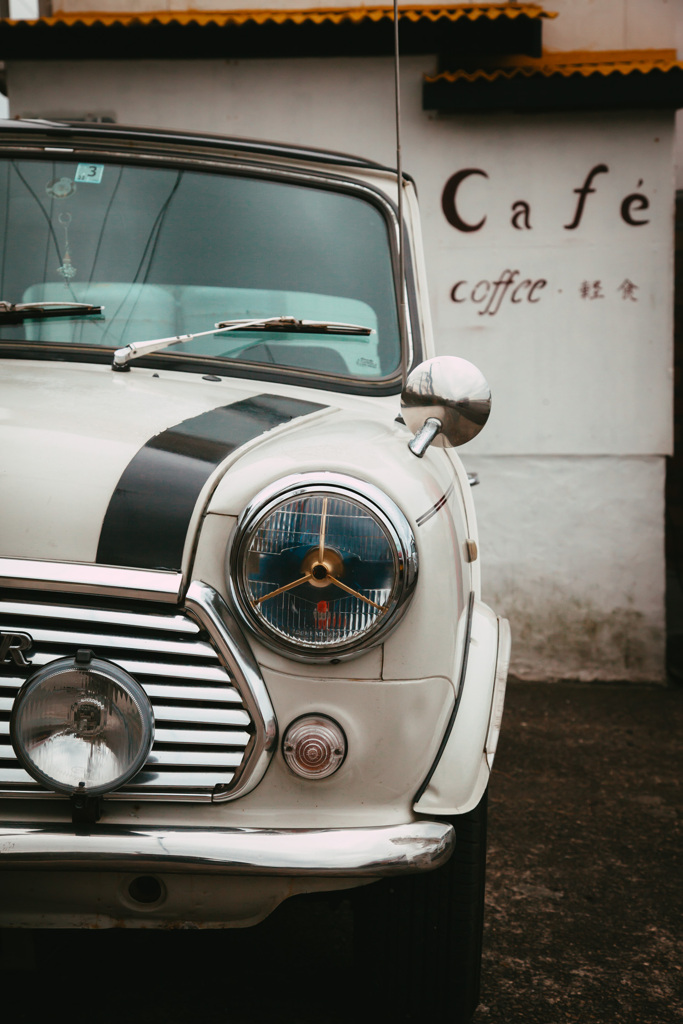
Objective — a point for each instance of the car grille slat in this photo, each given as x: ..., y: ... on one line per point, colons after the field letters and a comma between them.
x: 139, y: 669
x: 167, y: 623
x: 212, y: 716
x: 175, y: 780
x: 16, y: 776
x: 161, y: 781
x: 203, y: 738
x: 194, y: 759
x: 162, y: 691
x: 11, y: 682
x: 72, y: 639
x: 203, y: 728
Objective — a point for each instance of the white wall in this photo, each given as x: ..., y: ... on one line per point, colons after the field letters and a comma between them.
x: 571, y: 500
x: 611, y: 24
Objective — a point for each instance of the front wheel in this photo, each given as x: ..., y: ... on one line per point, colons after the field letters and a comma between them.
x: 418, y: 939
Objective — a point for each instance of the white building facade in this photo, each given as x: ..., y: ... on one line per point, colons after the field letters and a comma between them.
x: 546, y: 181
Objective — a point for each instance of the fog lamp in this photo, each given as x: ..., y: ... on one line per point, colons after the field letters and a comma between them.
x: 314, y: 746
x: 82, y: 725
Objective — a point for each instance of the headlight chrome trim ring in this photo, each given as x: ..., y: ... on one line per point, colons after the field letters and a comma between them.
x: 86, y: 719
x: 378, y: 507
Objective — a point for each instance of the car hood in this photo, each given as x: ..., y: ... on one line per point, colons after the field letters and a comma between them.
x: 115, y: 469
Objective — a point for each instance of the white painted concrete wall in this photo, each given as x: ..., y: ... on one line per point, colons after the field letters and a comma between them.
x: 572, y: 463
x: 611, y: 24
x: 572, y: 552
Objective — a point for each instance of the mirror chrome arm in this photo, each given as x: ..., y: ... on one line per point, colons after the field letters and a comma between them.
x: 446, y: 401
x: 424, y: 437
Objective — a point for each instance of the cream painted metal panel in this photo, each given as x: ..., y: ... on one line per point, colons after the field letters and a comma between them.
x: 98, y: 437
x: 462, y: 772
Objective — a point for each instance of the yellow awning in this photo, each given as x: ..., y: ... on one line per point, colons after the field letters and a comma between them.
x: 298, y: 16
x: 576, y: 62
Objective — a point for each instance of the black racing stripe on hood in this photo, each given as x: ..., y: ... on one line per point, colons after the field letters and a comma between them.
x: 147, y: 520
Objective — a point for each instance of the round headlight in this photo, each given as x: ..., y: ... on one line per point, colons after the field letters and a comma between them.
x: 82, y: 725
x: 321, y: 566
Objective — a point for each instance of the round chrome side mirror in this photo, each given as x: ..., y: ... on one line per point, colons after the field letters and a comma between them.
x: 446, y: 401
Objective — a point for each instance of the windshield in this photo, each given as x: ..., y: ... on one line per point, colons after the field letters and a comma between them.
x: 172, y: 252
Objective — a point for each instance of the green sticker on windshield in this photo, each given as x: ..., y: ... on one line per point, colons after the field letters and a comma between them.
x: 89, y: 173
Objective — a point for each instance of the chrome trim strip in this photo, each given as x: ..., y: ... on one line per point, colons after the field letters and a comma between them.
x: 436, y: 507
x: 142, y: 788
x: 79, y: 578
x: 359, y: 852
x: 170, y: 623
x: 156, y: 795
x: 213, y: 614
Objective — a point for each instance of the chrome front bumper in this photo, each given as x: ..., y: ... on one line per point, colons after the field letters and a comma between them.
x: 356, y: 852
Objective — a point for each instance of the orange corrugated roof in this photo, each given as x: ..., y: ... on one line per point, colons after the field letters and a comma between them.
x: 576, y: 62
x: 318, y: 15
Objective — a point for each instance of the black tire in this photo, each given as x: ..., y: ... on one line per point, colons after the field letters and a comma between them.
x: 418, y: 938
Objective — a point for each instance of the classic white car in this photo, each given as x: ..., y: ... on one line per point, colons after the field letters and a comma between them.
x: 243, y: 653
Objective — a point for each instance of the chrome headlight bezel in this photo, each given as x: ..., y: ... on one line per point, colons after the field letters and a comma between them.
x: 373, y: 501
x: 88, y: 707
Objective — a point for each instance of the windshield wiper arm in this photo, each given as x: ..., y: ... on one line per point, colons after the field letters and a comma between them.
x: 16, y: 312
x: 288, y: 324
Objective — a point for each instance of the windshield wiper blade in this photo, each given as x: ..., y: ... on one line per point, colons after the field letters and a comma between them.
x: 288, y: 324
x: 16, y: 312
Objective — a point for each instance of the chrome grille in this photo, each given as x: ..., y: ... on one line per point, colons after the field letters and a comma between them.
x: 204, y: 731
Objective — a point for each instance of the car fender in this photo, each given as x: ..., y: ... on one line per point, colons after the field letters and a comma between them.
x: 461, y: 770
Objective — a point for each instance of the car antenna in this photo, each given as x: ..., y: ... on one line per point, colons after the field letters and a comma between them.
x: 402, y: 323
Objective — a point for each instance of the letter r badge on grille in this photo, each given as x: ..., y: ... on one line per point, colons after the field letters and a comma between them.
x: 12, y: 647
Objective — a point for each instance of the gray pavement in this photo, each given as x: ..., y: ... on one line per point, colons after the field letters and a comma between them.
x: 585, y: 879
x: 584, y: 898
